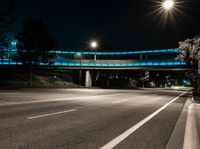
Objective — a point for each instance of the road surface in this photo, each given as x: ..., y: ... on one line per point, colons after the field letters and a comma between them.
x: 88, y: 118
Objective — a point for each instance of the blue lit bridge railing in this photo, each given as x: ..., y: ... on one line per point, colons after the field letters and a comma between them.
x: 173, y: 50
x: 7, y: 60
x: 107, y: 64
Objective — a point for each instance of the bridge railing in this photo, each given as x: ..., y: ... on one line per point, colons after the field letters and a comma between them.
x: 6, y: 59
x: 119, y: 63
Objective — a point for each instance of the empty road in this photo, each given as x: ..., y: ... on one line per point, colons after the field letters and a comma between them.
x: 88, y: 118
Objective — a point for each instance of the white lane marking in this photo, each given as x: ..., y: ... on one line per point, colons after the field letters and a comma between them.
x: 127, y: 99
x: 9, y: 93
x: 192, y: 99
x: 128, y: 132
x: 119, y: 101
x: 94, y: 96
x: 63, y: 99
x: 51, y: 114
x: 191, y: 140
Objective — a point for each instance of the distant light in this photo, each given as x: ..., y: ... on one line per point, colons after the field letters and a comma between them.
x: 14, y: 43
x: 169, y: 83
x: 185, y: 82
x: 168, y: 4
x: 78, y: 53
x: 93, y: 44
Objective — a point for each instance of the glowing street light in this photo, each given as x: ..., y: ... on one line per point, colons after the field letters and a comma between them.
x: 168, y: 4
x: 94, y: 45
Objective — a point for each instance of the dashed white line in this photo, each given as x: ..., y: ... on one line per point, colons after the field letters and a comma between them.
x: 51, y: 114
x: 128, y: 132
x: 119, y: 101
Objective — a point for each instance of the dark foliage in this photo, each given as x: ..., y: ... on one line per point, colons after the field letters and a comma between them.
x: 190, y: 53
x: 190, y: 50
x: 7, y: 19
x: 34, y: 42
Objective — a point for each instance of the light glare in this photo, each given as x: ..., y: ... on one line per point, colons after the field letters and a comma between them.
x: 168, y: 4
x: 93, y: 44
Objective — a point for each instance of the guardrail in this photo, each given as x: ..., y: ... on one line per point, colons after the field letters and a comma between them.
x: 7, y: 60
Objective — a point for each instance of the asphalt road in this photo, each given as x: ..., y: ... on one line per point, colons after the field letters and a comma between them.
x: 88, y: 119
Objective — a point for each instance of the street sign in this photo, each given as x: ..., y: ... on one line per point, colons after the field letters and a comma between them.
x: 146, y: 77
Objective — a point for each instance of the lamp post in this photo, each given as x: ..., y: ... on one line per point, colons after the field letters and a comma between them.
x: 94, y: 45
x: 80, y: 71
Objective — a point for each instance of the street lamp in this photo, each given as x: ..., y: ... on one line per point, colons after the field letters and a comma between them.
x: 80, y: 71
x: 94, y: 45
x: 168, y: 4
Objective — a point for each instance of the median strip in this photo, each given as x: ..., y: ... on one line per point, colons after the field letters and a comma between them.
x: 51, y: 114
x: 131, y: 130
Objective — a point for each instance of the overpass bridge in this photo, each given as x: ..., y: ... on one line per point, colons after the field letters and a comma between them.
x: 162, y: 60
x: 113, y: 60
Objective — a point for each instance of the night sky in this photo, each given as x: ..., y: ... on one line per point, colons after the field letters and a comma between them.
x: 121, y: 24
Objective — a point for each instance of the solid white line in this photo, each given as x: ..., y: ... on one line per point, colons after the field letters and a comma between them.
x: 94, y: 96
x: 51, y: 114
x: 128, y: 132
x: 191, y: 140
x: 63, y: 99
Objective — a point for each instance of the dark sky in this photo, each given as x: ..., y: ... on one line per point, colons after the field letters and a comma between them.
x: 122, y: 24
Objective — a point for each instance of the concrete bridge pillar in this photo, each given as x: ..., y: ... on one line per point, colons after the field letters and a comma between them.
x: 95, y: 57
x: 88, y: 79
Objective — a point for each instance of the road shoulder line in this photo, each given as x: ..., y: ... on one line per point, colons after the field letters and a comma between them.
x: 177, y: 137
x: 114, y: 142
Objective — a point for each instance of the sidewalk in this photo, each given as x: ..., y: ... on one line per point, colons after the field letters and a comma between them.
x: 197, y: 115
x: 186, y: 133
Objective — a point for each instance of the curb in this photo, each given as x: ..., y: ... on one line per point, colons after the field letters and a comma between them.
x: 185, y: 134
x: 177, y: 137
x: 197, y: 117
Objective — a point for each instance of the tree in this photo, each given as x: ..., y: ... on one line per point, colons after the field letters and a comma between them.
x: 190, y: 50
x: 34, y: 43
x: 7, y: 19
x: 190, y: 53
